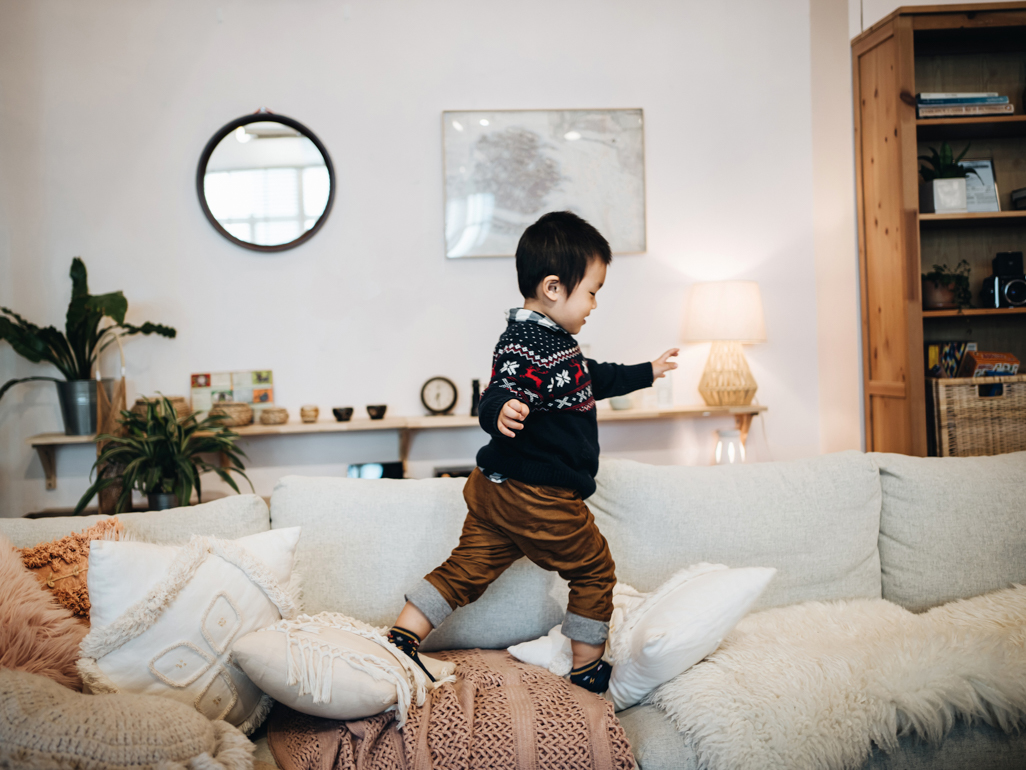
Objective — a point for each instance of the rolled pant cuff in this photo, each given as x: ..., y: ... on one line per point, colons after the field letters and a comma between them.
x: 426, y: 598
x: 583, y: 629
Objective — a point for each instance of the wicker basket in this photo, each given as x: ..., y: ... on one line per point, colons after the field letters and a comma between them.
x: 182, y: 408
x: 274, y: 415
x: 967, y: 424
x: 236, y: 412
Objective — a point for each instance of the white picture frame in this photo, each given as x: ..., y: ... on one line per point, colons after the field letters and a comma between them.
x: 981, y: 188
x: 505, y: 168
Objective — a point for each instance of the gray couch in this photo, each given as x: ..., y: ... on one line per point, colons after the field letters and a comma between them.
x: 918, y: 532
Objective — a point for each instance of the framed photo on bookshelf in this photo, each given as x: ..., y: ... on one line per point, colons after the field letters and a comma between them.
x: 981, y: 188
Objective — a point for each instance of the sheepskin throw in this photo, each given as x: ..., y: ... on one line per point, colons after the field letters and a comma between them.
x: 36, y: 633
x: 499, y: 713
x: 61, y: 565
x: 816, y: 685
x: 44, y: 726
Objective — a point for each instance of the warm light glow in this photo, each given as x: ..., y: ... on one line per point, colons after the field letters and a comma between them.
x: 572, y: 136
x: 724, y: 311
x: 729, y: 449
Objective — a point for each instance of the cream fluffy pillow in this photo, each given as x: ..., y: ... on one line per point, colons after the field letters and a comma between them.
x: 654, y: 637
x: 335, y: 667
x: 164, y: 618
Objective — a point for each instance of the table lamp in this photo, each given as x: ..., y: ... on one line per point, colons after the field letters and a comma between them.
x: 726, y: 313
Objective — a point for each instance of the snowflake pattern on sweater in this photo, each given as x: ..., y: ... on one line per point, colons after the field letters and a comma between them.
x: 543, y: 369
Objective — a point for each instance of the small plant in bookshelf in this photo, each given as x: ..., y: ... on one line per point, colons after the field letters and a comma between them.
x: 945, y: 289
x: 943, y: 190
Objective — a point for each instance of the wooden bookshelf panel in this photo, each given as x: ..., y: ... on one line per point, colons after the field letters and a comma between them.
x: 977, y: 246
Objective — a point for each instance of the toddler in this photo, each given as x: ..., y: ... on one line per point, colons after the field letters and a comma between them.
x: 526, y: 497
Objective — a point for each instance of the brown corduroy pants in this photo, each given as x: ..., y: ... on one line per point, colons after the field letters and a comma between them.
x: 551, y: 526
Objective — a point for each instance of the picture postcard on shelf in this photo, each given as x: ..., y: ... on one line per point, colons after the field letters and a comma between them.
x: 254, y: 387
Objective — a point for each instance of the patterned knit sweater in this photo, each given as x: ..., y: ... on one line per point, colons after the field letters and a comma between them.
x: 539, y: 363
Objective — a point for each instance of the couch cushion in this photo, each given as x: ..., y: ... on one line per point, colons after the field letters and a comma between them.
x: 816, y: 521
x: 366, y: 543
x: 228, y: 518
x: 951, y: 527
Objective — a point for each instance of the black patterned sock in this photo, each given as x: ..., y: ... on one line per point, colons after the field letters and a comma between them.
x: 594, y: 676
x: 409, y: 643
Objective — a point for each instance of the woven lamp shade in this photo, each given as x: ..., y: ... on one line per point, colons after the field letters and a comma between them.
x: 726, y: 313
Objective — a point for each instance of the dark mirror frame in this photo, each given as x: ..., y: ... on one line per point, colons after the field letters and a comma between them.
x: 263, y: 117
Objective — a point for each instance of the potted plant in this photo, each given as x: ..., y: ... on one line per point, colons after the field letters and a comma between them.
x: 944, y: 289
x: 160, y: 455
x: 943, y: 188
x: 74, y: 352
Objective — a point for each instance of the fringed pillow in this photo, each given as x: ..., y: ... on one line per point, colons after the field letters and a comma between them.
x: 36, y: 634
x: 61, y: 565
x: 164, y: 618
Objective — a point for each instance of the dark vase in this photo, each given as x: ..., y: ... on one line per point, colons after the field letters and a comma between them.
x: 161, y: 501
x: 78, y: 406
x: 475, y: 398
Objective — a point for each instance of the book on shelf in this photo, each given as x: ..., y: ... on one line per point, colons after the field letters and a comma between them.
x: 935, y: 96
x: 964, y: 110
x: 944, y: 358
x: 985, y: 364
x: 945, y: 102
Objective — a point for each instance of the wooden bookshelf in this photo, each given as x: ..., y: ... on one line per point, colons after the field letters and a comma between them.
x: 953, y: 48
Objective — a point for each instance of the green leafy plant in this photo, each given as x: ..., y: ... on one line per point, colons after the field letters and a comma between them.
x: 73, y: 352
x: 957, y: 280
x: 161, y: 452
x: 943, y: 164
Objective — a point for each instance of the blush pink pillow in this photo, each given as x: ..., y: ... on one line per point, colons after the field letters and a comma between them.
x: 36, y: 634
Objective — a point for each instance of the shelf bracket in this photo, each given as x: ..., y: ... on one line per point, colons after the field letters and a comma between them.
x: 48, y: 459
x: 405, y: 438
x: 743, y: 423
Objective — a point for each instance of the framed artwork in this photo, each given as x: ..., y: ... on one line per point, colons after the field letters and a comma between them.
x: 505, y: 168
x: 981, y: 188
x: 254, y: 387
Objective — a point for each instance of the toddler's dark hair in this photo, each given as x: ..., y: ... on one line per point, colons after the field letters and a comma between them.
x: 561, y: 244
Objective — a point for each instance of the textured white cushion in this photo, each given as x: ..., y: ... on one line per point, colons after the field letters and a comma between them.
x: 816, y: 521
x: 552, y: 651
x: 366, y: 543
x: 164, y: 618
x: 951, y: 527
x: 654, y: 637
x: 229, y: 518
x: 335, y: 667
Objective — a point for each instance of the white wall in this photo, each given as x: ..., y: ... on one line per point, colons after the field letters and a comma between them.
x: 105, y: 106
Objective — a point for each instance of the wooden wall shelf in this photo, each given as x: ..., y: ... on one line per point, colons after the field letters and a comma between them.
x: 46, y: 444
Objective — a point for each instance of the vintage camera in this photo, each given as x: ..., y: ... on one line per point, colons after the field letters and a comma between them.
x: 1007, y: 287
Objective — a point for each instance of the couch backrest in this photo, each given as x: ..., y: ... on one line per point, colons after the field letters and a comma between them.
x: 228, y: 518
x: 951, y: 527
x: 365, y: 543
x: 815, y: 520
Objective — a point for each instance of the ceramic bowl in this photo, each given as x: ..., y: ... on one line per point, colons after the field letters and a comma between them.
x: 342, y: 413
x: 621, y: 402
x: 309, y: 413
x: 376, y: 411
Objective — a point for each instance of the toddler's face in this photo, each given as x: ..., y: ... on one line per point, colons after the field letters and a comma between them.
x: 570, y: 312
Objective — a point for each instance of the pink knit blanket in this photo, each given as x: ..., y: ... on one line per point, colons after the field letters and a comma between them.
x: 500, y: 713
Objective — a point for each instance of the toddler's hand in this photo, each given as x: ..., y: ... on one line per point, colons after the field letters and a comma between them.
x: 662, y: 364
x: 512, y: 417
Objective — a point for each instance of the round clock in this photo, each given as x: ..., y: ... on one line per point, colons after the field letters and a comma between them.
x: 438, y: 395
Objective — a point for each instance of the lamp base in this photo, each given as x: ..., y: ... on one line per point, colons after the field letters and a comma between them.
x: 726, y: 379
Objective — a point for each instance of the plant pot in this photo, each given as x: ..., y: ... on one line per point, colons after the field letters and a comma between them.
x: 938, y: 296
x: 161, y: 501
x: 943, y: 196
x: 78, y: 405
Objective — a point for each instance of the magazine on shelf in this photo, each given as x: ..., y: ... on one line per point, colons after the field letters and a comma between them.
x: 965, y: 110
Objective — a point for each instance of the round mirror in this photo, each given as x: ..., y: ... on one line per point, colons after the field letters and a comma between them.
x: 265, y: 182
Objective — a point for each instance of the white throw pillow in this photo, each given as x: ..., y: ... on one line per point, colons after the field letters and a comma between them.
x: 552, y: 651
x: 654, y: 637
x: 335, y: 667
x: 164, y: 618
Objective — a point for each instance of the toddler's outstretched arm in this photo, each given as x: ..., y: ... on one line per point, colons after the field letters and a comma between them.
x: 512, y: 417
